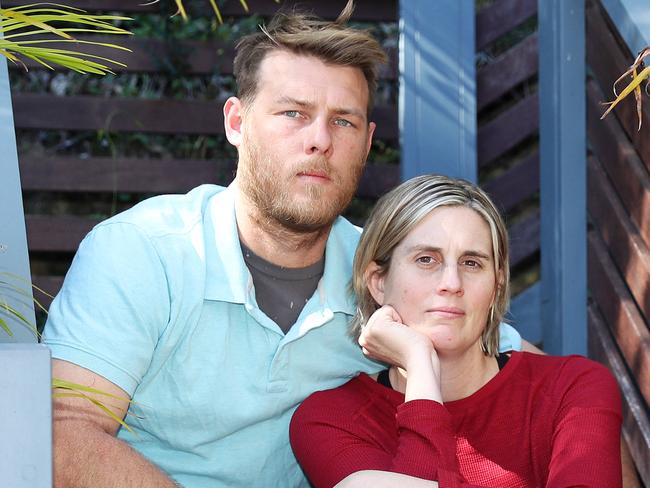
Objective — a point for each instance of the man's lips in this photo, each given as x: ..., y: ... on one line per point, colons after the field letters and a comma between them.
x: 321, y: 175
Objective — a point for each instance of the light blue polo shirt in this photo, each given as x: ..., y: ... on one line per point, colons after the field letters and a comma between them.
x: 159, y: 301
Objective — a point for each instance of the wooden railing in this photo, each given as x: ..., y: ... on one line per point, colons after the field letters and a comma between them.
x: 619, y: 236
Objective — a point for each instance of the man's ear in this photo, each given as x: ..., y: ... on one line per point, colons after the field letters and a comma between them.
x: 232, y: 120
x: 374, y: 276
x: 371, y: 131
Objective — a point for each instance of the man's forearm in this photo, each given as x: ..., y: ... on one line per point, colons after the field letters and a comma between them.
x: 85, y: 457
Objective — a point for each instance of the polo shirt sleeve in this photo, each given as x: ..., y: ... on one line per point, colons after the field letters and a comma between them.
x: 113, y: 305
x: 509, y: 338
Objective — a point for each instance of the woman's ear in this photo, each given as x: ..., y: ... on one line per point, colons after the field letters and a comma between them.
x: 375, y: 281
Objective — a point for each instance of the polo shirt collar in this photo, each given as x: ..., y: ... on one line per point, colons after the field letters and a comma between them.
x: 228, y: 278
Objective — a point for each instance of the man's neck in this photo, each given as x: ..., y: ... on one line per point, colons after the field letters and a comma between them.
x: 276, y: 243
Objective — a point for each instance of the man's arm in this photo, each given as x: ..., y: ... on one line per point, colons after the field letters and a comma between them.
x: 528, y: 347
x: 86, y: 451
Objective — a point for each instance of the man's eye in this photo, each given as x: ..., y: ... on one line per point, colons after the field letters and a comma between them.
x: 291, y: 113
x: 343, y: 123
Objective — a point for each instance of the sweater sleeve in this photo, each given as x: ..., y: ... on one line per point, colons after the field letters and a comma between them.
x: 586, y: 434
x: 331, y: 441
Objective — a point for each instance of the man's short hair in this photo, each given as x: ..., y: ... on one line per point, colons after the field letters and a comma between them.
x: 305, y: 34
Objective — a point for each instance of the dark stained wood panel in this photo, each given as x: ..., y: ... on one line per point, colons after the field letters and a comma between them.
x: 620, y: 160
x: 509, y: 129
x: 50, y: 285
x: 106, y: 175
x: 620, y: 313
x: 626, y: 246
x: 513, y: 67
x: 183, y: 57
x: 47, y: 233
x: 501, y: 17
x: 98, y: 5
x: 524, y: 239
x: 516, y: 185
x: 67, y: 174
x: 39, y: 111
x: 608, y: 59
x: 636, y: 424
x: 370, y: 10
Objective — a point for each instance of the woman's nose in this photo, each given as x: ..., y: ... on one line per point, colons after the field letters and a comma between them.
x: 450, y: 280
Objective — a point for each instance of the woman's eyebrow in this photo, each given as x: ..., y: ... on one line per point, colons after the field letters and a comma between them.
x: 425, y: 247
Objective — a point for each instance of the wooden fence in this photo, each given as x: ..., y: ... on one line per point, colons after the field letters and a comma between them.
x: 508, y: 159
x: 619, y: 235
x: 508, y: 121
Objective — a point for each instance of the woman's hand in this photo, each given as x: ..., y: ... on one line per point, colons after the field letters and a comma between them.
x: 387, y: 339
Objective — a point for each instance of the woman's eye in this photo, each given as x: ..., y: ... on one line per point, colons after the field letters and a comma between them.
x: 471, y: 263
x: 426, y: 260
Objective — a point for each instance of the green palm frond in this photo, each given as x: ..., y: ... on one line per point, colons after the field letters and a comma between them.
x: 8, y: 311
x: 17, y: 286
x: 58, y: 23
x: 76, y: 390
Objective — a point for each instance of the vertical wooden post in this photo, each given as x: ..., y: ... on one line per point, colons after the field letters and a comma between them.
x: 13, y: 242
x: 437, y: 109
x: 563, y: 175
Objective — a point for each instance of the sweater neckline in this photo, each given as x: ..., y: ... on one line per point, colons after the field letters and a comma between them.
x: 490, y: 388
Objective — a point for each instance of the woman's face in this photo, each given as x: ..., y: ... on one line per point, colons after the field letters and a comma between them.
x: 441, y: 278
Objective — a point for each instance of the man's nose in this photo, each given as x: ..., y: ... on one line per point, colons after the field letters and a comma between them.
x: 318, y: 138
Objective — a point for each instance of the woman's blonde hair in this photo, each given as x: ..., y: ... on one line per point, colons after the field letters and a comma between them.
x: 401, y: 210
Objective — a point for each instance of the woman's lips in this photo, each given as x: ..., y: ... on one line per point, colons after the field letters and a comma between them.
x: 448, y: 312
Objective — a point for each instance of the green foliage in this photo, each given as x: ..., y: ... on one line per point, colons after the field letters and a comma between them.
x: 33, y: 22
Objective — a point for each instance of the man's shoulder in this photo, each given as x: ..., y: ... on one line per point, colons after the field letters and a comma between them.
x: 168, y: 214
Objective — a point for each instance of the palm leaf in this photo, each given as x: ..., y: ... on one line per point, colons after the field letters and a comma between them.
x: 38, y: 19
x: 80, y: 391
x: 633, y: 86
x: 5, y: 327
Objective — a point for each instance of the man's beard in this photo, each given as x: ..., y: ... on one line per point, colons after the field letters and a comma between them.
x: 267, y: 183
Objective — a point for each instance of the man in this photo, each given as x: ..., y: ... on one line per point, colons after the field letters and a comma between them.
x: 219, y: 311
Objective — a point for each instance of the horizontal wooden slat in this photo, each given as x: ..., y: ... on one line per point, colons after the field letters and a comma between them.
x: 626, y: 246
x: 620, y: 160
x: 50, y: 285
x: 510, y: 128
x: 372, y: 10
x: 524, y: 239
x: 608, y: 60
x: 620, y: 312
x: 515, y: 185
x: 501, y: 17
x: 67, y: 174
x: 37, y: 111
x: 176, y: 57
x: 46, y: 233
x: 513, y: 67
x: 98, y: 5
x: 636, y: 423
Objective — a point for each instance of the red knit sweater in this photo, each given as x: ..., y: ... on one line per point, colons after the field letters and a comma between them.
x: 541, y: 421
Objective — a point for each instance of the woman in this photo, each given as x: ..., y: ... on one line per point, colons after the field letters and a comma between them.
x: 432, y: 283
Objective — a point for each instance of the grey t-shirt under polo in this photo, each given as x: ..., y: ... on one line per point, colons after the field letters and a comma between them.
x: 281, y: 292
